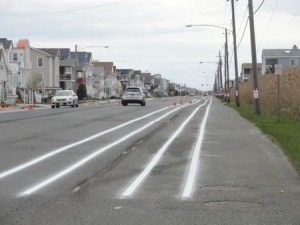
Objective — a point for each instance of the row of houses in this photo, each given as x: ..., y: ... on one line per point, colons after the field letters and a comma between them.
x: 60, y: 68
x: 270, y: 57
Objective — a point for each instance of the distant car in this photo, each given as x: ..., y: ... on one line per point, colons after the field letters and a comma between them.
x: 133, y: 95
x: 64, y: 98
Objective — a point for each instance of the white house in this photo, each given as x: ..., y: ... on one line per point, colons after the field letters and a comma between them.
x: 47, y: 67
x: 285, y: 57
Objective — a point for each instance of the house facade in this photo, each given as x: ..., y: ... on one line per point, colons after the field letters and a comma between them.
x: 284, y: 57
x: 247, y: 71
x: 20, y: 55
x: 46, y: 66
x: 3, y: 72
x: 59, y: 68
x: 109, y: 84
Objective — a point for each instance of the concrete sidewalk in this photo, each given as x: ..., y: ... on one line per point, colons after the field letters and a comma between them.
x: 41, y: 106
x: 244, y: 172
x: 24, y: 106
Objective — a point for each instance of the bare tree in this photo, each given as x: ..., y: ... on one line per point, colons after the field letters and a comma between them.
x: 33, y: 84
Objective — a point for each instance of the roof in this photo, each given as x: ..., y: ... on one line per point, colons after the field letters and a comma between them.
x: 125, y: 71
x: 82, y: 57
x: 65, y: 53
x: 50, y: 51
x: 249, y: 65
x: 42, y: 52
x: 294, y: 52
x: 6, y: 43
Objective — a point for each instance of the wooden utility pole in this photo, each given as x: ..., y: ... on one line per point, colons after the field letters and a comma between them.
x: 254, y: 58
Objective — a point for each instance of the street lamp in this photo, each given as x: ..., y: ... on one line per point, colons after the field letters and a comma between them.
x: 208, y: 83
x: 226, y: 68
x: 219, y: 82
x: 92, y: 46
x: 208, y: 62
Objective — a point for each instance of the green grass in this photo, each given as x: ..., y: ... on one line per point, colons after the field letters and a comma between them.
x: 286, y: 133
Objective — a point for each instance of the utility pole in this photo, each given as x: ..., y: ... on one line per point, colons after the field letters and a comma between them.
x: 254, y: 59
x: 227, y: 66
x: 220, y: 71
x: 75, y: 75
x: 225, y: 69
x: 237, y: 88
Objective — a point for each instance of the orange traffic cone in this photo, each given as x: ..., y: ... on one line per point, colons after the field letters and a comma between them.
x: 30, y: 106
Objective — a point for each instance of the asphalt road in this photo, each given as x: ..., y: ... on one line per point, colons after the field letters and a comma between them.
x: 194, y: 163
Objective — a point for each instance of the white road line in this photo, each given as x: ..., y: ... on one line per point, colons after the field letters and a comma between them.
x: 195, y: 159
x: 66, y: 147
x: 135, y: 184
x: 90, y: 157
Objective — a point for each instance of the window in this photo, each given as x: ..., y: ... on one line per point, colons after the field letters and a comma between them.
x: 271, y: 61
x: 294, y: 62
x: 40, y: 62
x: 15, y: 57
x: 246, y: 71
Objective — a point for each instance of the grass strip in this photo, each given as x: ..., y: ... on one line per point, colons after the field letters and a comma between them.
x: 286, y: 133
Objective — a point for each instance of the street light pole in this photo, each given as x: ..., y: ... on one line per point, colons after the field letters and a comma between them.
x: 226, y: 66
x: 254, y: 59
x: 75, y: 76
x: 237, y: 88
x: 220, y: 71
x: 218, y: 81
x: 76, y: 59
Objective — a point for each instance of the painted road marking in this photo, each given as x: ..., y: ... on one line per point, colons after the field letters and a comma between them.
x: 66, y: 147
x: 136, y: 183
x: 187, y: 192
x: 90, y: 157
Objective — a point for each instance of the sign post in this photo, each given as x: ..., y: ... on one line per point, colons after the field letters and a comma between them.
x: 278, y: 72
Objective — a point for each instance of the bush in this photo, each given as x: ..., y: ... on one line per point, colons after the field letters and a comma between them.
x: 81, y: 91
x: 289, y: 92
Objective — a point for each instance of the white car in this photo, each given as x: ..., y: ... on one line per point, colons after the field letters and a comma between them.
x: 133, y: 95
x: 64, y: 98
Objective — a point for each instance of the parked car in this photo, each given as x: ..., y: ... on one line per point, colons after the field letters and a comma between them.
x: 133, y: 95
x: 64, y: 98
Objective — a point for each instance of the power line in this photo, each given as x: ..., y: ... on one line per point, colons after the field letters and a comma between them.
x: 259, y: 6
x: 239, y: 32
x: 226, y: 14
x: 245, y: 14
x: 243, y: 33
x: 245, y: 27
x: 63, y: 11
x: 270, y: 20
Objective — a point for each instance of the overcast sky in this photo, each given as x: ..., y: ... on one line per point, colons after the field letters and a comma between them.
x: 150, y: 35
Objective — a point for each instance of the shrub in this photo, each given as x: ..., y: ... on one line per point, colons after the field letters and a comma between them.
x: 289, y: 92
x: 81, y: 91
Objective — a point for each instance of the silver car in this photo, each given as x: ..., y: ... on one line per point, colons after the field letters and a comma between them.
x: 133, y: 95
x: 64, y: 98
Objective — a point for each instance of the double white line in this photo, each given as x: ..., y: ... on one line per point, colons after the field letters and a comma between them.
x: 67, y: 147
x: 90, y: 157
x: 193, y: 167
x: 83, y: 161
